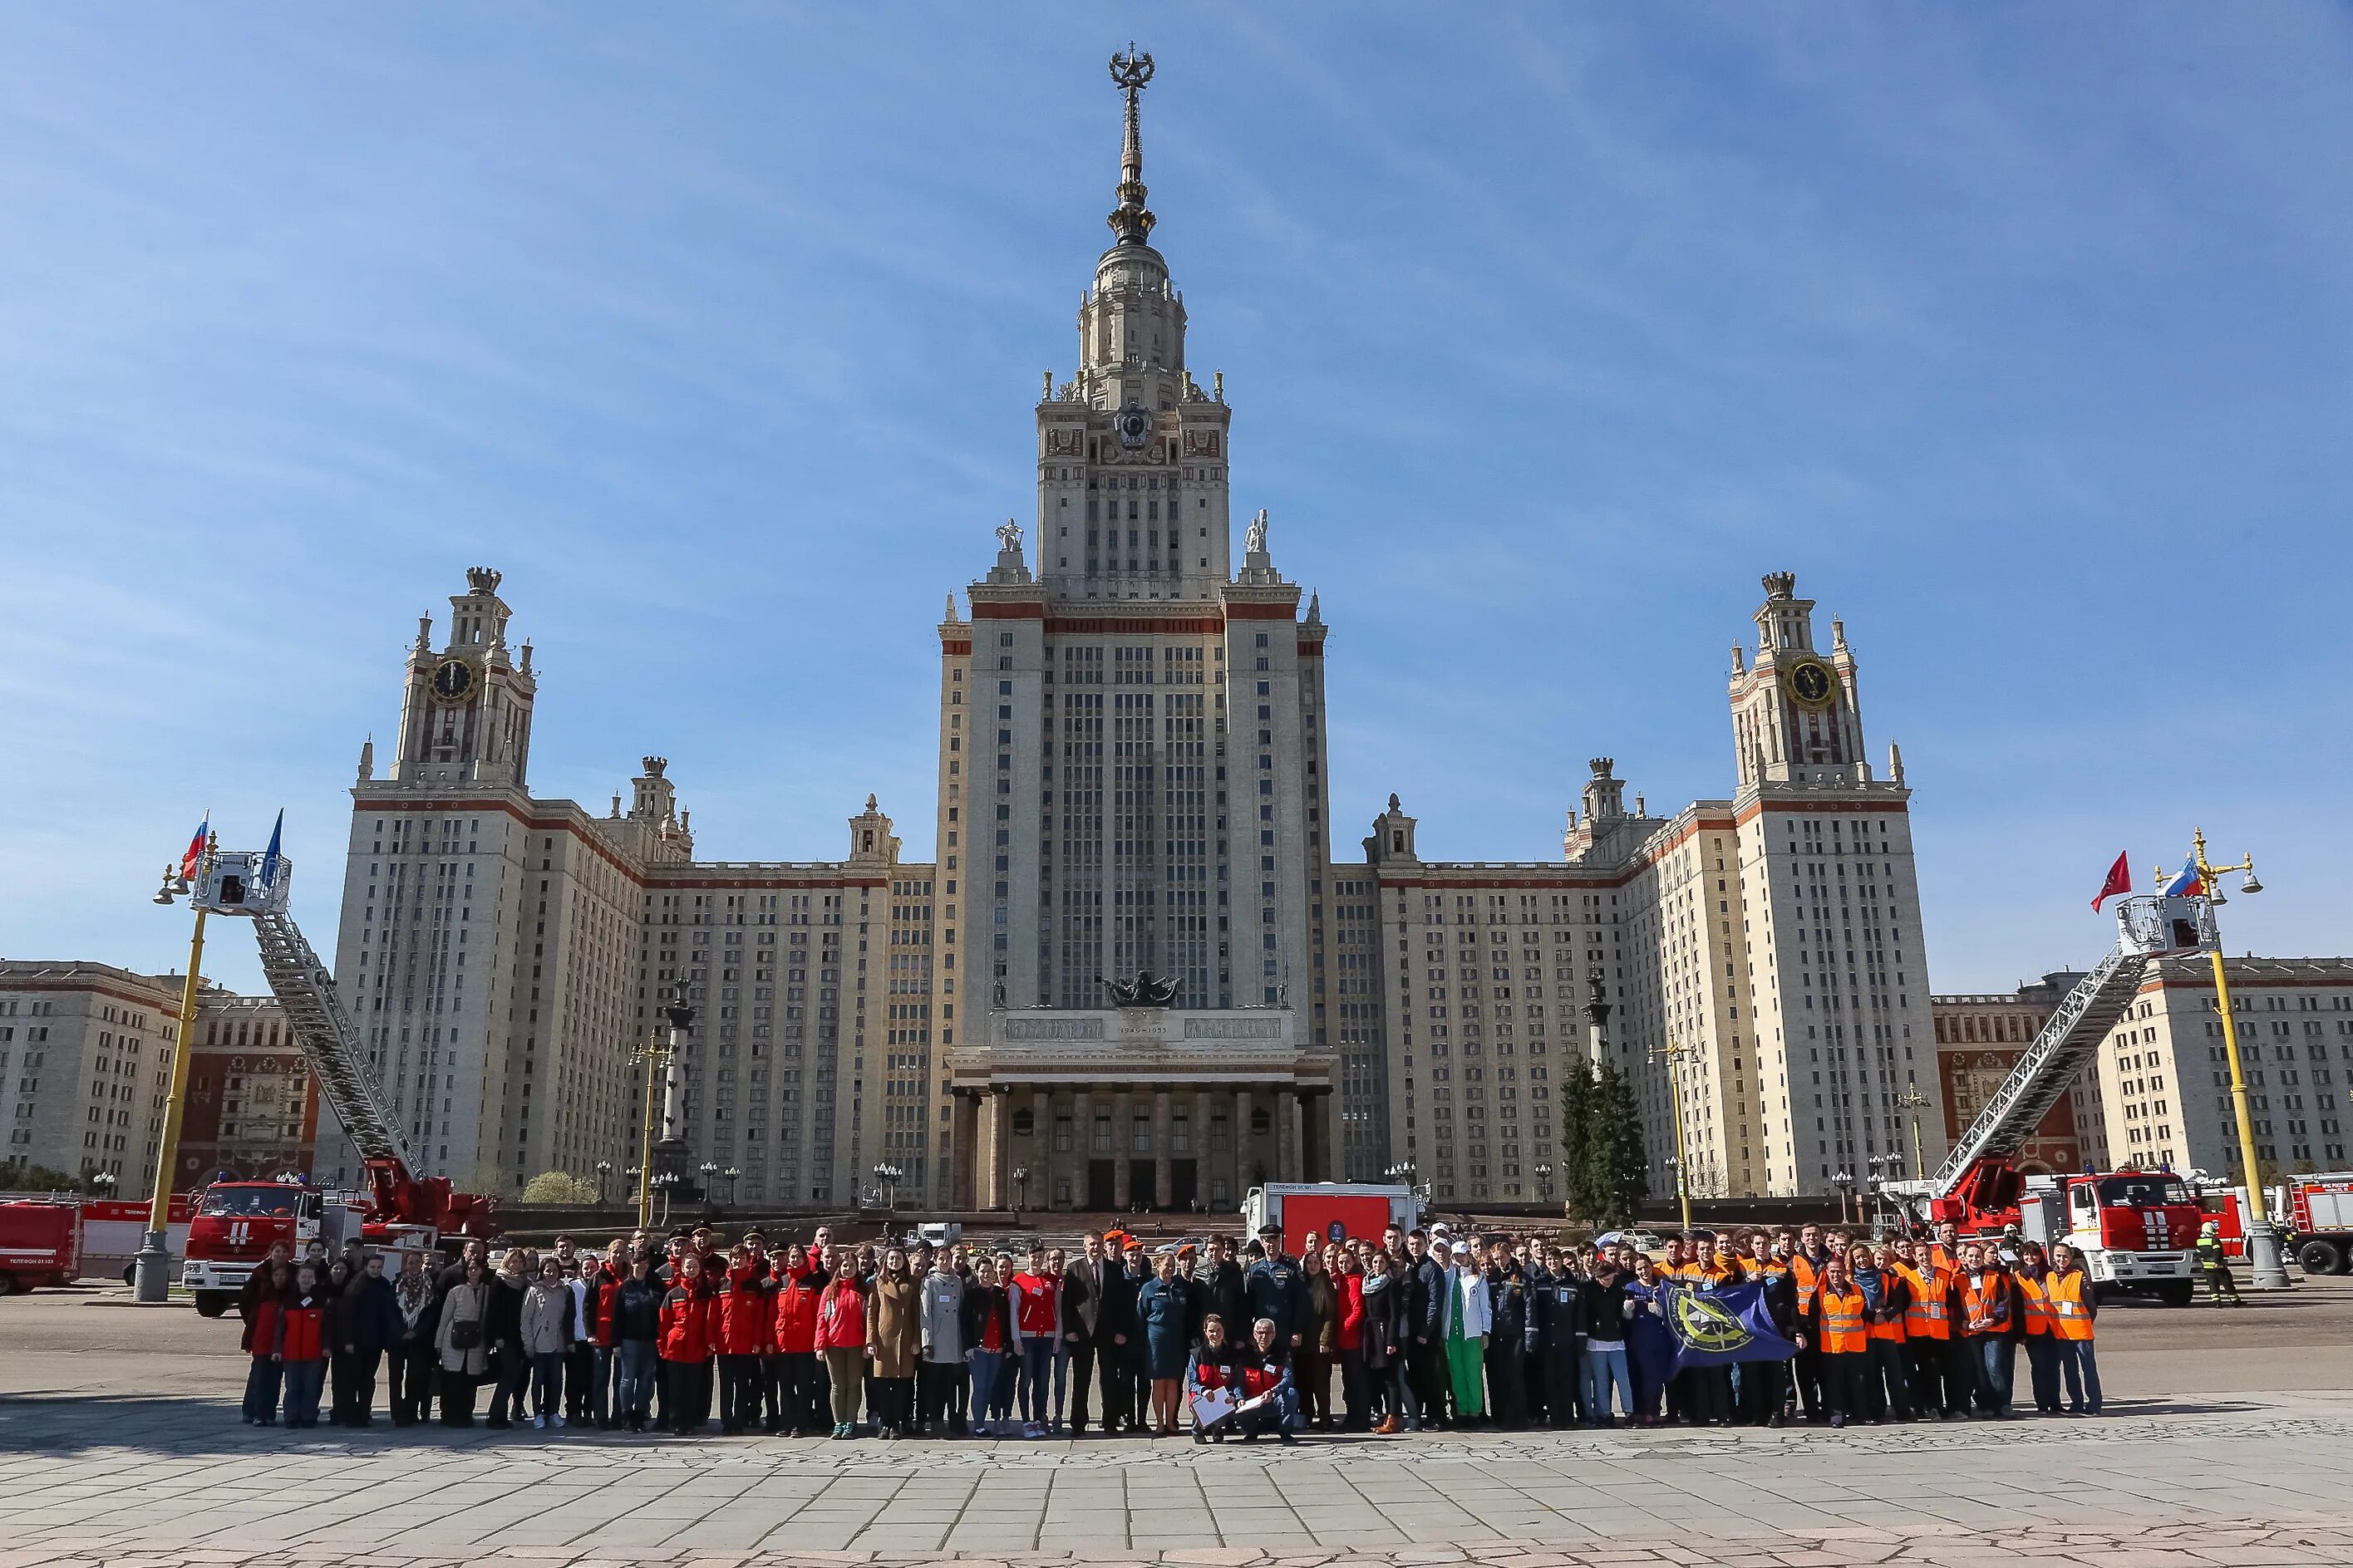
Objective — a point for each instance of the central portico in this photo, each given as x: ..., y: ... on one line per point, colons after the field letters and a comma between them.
x: 1122, y: 1107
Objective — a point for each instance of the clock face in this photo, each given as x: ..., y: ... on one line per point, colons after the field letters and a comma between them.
x: 453, y: 681
x: 1812, y: 685
x: 1135, y: 426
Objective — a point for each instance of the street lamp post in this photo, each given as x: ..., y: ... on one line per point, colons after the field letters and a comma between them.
x: 734, y: 1176
x: 1843, y: 1180
x: 1672, y: 1053
x: 1913, y: 1100
x: 604, y: 1174
x: 151, y: 1271
x: 656, y: 1055
x: 104, y: 1183
x: 2266, y: 1271
x: 667, y: 1182
x: 1544, y: 1181
x: 1021, y: 1188
x: 710, y: 1169
x: 886, y: 1177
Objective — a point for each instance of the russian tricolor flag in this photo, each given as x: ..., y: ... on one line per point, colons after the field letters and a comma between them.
x: 2186, y: 883
x: 193, y: 856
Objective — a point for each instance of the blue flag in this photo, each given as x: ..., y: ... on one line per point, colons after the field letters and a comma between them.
x: 269, y: 857
x: 1717, y: 1328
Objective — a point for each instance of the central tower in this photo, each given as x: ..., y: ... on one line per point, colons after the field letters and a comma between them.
x: 1131, y: 450
x: 1131, y: 734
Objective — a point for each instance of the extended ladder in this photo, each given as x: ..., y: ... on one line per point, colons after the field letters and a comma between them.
x: 307, y: 992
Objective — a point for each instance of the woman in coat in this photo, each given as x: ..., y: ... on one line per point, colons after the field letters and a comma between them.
x: 461, y: 1340
x: 264, y: 1378
x: 1348, y: 1334
x: 894, y: 1341
x: 416, y: 1319
x: 1319, y: 1339
x: 544, y: 1329
x: 1162, y: 1310
x: 502, y: 1327
x: 842, y: 1342
x: 1383, y: 1296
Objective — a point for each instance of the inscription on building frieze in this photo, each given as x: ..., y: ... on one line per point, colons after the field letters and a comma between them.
x: 1233, y: 1028
x: 1053, y: 1028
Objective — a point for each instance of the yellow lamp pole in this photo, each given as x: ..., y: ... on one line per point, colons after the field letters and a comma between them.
x: 1672, y: 1053
x: 655, y: 1054
x: 2265, y: 1268
x: 1913, y: 1100
x: 151, y: 1278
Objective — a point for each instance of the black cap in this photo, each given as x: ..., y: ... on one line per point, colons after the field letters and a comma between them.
x: 1270, y: 1229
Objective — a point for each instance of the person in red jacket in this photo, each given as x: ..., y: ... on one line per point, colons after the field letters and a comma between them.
x: 746, y: 1327
x: 686, y: 1348
x: 841, y: 1341
x: 272, y: 1282
x: 298, y: 1343
x: 1348, y: 1276
x: 603, y: 1281
x: 800, y: 1381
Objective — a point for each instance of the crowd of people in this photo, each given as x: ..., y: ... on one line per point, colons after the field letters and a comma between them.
x: 1418, y: 1330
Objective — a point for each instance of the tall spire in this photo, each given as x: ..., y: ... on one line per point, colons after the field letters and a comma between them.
x: 1133, y: 221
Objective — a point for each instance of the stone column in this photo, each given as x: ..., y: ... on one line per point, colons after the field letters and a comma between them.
x: 1000, y: 1147
x: 1122, y: 1113
x: 1242, y: 1180
x: 1201, y: 1172
x: 1083, y: 1118
x: 1040, y: 1155
x: 1163, y: 1149
x: 963, y: 1150
x: 1286, y: 1135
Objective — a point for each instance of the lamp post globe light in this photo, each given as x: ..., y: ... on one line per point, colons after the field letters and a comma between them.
x: 1021, y: 1188
x: 734, y: 1175
x: 1843, y: 1180
x: 604, y: 1174
x: 2266, y: 1268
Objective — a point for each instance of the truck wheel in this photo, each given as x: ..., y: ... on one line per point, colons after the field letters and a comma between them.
x: 131, y: 1273
x: 2318, y: 1256
x: 8, y: 1283
x: 2175, y: 1292
x: 211, y: 1303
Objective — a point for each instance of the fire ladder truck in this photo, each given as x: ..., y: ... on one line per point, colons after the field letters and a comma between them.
x: 2134, y: 1228
x: 236, y: 1222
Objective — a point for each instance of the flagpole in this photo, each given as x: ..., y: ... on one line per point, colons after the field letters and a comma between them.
x: 152, y: 1271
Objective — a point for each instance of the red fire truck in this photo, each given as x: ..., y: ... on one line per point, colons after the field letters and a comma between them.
x: 2320, y: 1220
x: 236, y: 1222
x: 40, y: 1243
x: 1313, y: 1213
x: 2135, y: 1228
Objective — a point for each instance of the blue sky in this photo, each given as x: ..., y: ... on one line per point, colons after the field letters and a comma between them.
x: 2019, y: 333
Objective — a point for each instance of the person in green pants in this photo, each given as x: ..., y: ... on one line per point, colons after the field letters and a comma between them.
x: 1466, y: 1333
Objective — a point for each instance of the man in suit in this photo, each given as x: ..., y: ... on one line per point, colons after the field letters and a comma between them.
x: 1083, y: 1320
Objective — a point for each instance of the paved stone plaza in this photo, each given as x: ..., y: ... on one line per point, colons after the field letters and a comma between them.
x: 2231, y: 1442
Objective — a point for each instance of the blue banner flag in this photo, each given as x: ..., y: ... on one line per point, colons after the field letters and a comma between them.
x: 269, y: 857
x: 1717, y: 1328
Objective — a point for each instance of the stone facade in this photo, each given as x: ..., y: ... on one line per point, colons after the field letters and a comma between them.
x: 1132, y: 777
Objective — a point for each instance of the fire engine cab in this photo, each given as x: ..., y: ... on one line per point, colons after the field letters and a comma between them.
x: 236, y: 1223
x: 2134, y: 1228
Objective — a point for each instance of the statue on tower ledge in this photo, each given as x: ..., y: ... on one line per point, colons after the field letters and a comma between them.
x: 1147, y: 990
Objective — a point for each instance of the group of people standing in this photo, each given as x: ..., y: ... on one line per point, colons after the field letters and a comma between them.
x: 1419, y: 1331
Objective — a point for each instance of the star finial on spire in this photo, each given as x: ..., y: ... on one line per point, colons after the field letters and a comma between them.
x: 1133, y: 221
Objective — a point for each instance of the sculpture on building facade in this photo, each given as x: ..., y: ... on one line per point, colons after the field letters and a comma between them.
x: 1147, y: 990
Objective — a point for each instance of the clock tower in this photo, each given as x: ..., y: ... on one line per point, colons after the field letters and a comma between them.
x: 465, y: 715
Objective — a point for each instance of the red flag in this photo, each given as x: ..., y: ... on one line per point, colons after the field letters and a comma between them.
x: 2120, y: 881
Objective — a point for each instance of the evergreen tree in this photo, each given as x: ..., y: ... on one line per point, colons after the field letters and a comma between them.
x: 1579, y: 1194
x: 1616, y: 1163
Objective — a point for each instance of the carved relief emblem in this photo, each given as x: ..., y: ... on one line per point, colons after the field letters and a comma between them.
x: 1200, y: 443
x: 1066, y: 443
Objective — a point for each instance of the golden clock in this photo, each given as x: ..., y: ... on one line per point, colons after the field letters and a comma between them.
x: 1810, y: 684
x: 453, y: 681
